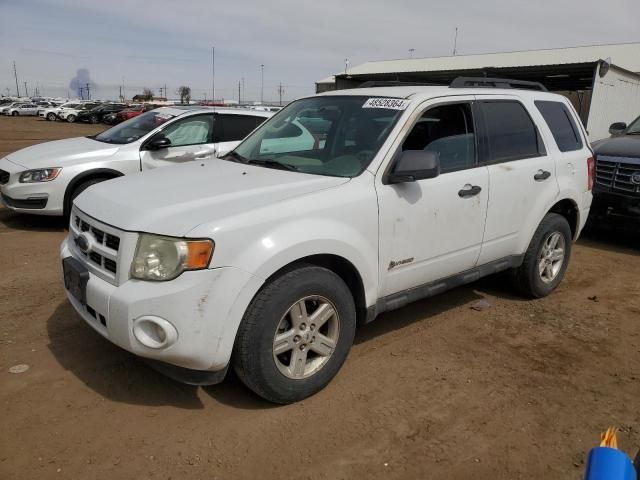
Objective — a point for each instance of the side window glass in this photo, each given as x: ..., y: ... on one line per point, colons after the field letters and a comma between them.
x: 561, y: 124
x: 511, y: 134
x: 190, y: 131
x: 448, y: 131
x: 232, y: 128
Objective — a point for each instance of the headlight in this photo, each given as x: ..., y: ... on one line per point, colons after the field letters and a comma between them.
x: 164, y: 258
x: 40, y: 175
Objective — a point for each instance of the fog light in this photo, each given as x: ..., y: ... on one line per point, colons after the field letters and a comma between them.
x: 154, y: 332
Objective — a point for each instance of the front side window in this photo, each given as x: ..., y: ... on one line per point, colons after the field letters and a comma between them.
x: 134, y: 128
x: 634, y: 127
x: 448, y: 131
x: 510, y: 132
x: 194, y: 130
x: 233, y: 128
x: 562, y: 126
x: 326, y: 135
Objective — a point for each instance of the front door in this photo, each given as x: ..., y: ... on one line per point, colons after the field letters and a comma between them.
x: 431, y: 229
x: 191, y: 139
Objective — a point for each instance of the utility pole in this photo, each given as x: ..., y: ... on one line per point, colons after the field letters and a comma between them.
x: 15, y: 74
x: 213, y: 74
x: 244, y: 92
x: 411, y: 50
x: 262, y: 83
x: 239, y: 83
x: 280, y: 92
x: 124, y: 95
x: 165, y: 92
x: 346, y: 65
x: 26, y: 92
x: 455, y: 43
x: 88, y: 92
x: 81, y: 95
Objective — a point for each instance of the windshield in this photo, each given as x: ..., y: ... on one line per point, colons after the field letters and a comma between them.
x: 70, y: 105
x: 332, y: 135
x: 134, y: 128
x: 634, y: 128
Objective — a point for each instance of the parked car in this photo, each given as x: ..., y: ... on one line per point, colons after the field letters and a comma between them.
x: 616, y: 192
x: 51, y: 114
x: 110, y: 118
x: 25, y: 109
x: 4, y: 109
x: 70, y: 114
x: 266, y: 261
x: 45, y: 178
x: 132, y: 112
x: 96, y: 114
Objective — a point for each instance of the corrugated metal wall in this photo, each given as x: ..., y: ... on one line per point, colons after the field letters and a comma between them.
x: 616, y: 98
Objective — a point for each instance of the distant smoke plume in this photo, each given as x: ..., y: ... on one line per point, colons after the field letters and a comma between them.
x: 78, y: 84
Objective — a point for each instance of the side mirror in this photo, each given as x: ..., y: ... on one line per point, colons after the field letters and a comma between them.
x: 415, y: 165
x: 617, y: 128
x: 158, y: 143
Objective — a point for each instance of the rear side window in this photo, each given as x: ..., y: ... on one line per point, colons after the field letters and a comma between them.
x: 510, y: 132
x: 231, y: 128
x: 562, y: 126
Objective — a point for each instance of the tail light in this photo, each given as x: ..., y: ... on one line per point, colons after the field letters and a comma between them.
x: 591, y: 167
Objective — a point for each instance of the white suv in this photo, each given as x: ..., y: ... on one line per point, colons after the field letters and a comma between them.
x: 267, y: 261
x: 44, y: 179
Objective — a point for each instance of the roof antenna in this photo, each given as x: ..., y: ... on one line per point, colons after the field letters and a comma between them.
x: 455, y: 43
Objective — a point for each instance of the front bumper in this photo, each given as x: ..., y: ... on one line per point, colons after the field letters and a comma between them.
x: 205, y: 307
x: 608, y: 204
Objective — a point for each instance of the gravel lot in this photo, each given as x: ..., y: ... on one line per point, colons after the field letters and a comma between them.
x: 435, y: 390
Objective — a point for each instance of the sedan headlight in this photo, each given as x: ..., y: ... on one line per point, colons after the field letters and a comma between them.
x: 165, y: 258
x: 40, y: 175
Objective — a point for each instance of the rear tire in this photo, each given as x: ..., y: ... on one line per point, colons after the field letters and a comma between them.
x: 14, y: 114
x: 71, y: 118
x: 546, y: 260
x: 94, y: 119
x: 295, y: 335
x: 51, y: 117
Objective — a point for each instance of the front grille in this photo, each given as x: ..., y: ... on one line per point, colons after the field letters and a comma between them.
x: 101, y: 253
x: 4, y: 177
x: 615, y: 174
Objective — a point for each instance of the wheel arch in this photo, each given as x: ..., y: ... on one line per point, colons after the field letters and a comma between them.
x: 568, y: 208
x: 106, y: 173
x: 339, y: 265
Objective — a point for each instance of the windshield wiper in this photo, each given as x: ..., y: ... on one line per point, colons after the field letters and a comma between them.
x: 234, y: 156
x: 273, y: 164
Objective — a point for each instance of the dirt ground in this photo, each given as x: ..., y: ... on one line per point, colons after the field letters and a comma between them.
x: 435, y: 390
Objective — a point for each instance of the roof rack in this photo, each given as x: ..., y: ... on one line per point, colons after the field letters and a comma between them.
x: 395, y: 83
x: 484, y: 82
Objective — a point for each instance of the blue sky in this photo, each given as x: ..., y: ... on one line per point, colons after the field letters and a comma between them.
x: 152, y: 43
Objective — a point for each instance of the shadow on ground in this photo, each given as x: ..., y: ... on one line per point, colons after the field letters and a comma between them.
x: 32, y: 223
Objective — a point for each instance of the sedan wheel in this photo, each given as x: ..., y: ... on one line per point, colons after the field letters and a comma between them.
x: 51, y: 117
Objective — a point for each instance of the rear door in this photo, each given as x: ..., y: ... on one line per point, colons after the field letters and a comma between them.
x: 230, y: 129
x: 521, y: 174
x: 191, y: 139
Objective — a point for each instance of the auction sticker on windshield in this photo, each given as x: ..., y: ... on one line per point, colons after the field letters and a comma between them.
x: 391, y: 103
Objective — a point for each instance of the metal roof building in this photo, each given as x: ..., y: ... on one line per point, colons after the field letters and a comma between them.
x: 602, y: 81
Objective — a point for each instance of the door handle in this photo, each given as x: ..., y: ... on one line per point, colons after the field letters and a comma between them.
x: 541, y: 175
x: 469, y: 191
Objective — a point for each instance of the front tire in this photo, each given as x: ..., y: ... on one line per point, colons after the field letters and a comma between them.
x: 51, y: 117
x: 71, y: 118
x: 295, y: 335
x: 546, y: 260
x: 94, y: 119
x: 14, y: 114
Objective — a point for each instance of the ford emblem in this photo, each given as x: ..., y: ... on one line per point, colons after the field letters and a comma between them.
x: 83, y: 243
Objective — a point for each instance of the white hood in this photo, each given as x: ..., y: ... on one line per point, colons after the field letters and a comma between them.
x: 173, y: 200
x: 62, y: 152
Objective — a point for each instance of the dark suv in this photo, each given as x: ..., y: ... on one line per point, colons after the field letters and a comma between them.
x: 617, y: 188
x: 97, y: 114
